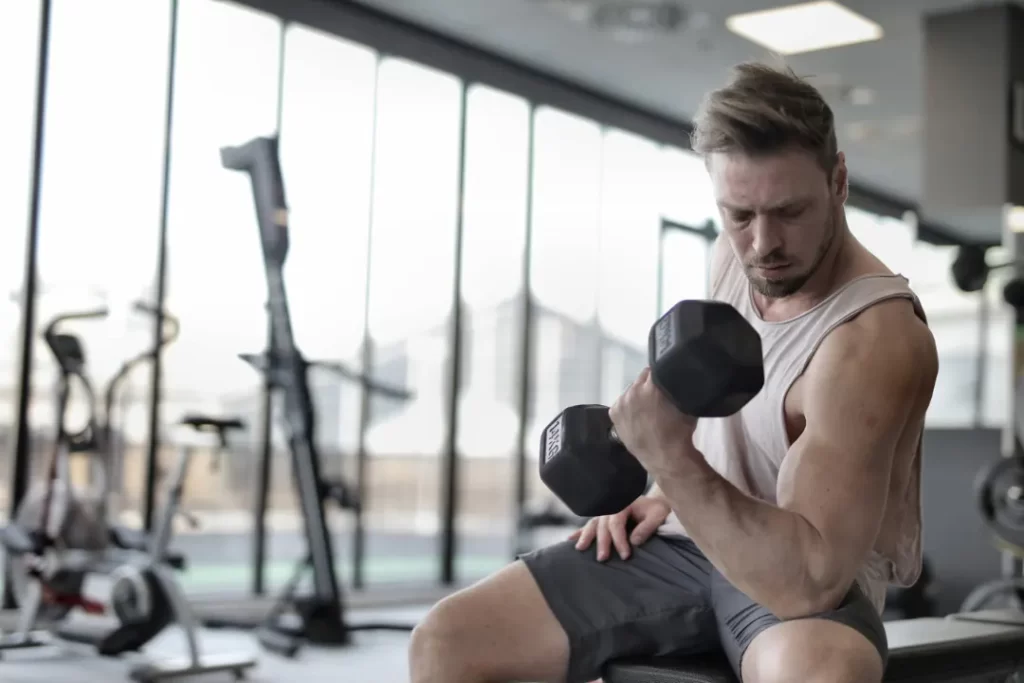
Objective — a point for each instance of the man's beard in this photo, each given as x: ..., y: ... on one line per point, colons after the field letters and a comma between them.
x: 777, y: 288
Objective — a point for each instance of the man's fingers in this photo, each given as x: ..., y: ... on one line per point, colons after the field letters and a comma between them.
x: 604, y: 539
x: 644, y: 529
x: 576, y: 534
x: 617, y: 530
x: 586, y: 535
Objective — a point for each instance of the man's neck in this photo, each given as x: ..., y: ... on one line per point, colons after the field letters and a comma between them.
x: 826, y: 279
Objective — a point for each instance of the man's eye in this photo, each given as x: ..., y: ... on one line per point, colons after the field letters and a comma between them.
x: 741, y: 216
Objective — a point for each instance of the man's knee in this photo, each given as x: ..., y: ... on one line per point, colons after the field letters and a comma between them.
x: 436, y: 639
x: 499, y: 629
x: 812, y: 651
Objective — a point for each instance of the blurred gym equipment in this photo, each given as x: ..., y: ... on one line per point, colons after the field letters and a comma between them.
x: 999, y: 486
x: 60, y: 539
x: 319, y: 615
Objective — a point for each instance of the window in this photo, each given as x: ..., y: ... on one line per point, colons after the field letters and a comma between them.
x: 415, y: 207
x: 493, y: 253
x: 225, y: 94
x: 630, y: 228
x: 327, y: 160
x: 565, y: 263
x: 19, y: 47
x: 687, y: 203
x: 953, y: 317
x: 891, y: 240
x: 100, y: 214
x: 685, y: 266
x: 999, y: 332
x: 687, y: 196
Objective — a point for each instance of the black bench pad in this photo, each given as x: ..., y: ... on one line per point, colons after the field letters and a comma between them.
x: 929, y: 649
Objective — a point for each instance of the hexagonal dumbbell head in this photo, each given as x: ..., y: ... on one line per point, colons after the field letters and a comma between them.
x: 706, y: 358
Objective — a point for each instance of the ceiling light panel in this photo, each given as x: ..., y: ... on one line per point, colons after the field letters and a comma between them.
x: 805, y: 27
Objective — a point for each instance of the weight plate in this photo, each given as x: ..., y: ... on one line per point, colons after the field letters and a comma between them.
x: 1000, y: 498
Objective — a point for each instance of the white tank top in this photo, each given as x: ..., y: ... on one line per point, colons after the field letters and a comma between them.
x: 748, y: 448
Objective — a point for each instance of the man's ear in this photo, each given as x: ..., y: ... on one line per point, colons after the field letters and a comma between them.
x: 841, y: 178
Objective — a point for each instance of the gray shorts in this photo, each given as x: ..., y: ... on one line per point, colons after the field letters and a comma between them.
x: 665, y: 600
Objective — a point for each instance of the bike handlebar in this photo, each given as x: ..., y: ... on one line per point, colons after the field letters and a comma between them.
x: 175, y: 325
x: 50, y: 331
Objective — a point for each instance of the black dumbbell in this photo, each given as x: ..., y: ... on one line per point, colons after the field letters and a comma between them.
x: 707, y: 360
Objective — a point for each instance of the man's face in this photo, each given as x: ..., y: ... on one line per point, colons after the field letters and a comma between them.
x: 781, y: 212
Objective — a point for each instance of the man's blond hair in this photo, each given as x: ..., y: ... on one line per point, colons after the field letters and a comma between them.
x: 764, y: 109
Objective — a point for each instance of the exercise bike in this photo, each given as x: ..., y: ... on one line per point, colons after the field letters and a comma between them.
x: 60, y: 539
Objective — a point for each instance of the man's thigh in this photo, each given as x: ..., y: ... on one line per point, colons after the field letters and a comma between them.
x: 741, y: 621
x: 655, y: 603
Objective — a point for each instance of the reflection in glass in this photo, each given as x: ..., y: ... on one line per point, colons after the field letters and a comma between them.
x: 493, y: 250
x: 225, y: 93
x: 326, y: 157
x: 412, y: 261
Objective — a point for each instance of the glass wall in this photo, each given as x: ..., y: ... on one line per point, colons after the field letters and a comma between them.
x: 564, y: 270
x: 101, y: 208
x: 685, y: 266
x: 226, y: 92
x: 494, y: 222
x: 412, y: 265
x: 629, y: 232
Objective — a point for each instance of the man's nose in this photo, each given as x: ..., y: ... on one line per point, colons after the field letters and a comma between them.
x: 766, y: 238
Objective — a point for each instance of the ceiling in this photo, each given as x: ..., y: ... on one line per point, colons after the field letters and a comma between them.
x: 668, y: 73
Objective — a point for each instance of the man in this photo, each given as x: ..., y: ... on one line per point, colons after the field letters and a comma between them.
x: 770, y: 534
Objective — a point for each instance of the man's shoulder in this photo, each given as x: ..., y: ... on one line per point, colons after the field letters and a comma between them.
x: 887, y: 336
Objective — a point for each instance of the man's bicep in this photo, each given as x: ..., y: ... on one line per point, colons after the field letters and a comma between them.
x: 858, y: 399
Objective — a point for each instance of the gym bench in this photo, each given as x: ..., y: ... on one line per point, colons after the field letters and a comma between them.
x: 965, y: 648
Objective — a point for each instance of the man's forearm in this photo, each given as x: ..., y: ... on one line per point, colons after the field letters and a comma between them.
x: 774, y: 556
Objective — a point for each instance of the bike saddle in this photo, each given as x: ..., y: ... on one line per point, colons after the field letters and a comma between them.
x: 207, y: 423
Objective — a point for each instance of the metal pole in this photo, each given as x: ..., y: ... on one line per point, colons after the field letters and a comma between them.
x: 526, y: 340
x: 156, y: 378
x: 366, y: 405
x: 981, y: 364
x: 450, y: 455
x: 23, y: 436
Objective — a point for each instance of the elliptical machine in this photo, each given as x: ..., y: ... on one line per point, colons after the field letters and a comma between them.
x: 60, y: 538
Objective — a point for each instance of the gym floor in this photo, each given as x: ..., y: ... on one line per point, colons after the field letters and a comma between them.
x: 374, y: 657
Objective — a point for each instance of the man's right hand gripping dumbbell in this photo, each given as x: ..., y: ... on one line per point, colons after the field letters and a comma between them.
x: 707, y: 360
